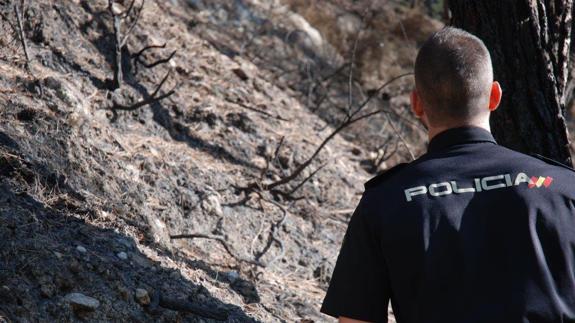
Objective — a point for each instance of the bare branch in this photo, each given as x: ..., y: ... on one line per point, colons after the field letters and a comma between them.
x: 306, y: 179
x: 14, y: 28
x: 352, y: 65
x: 154, y: 97
x: 245, y: 106
x: 160, y: 61
x: 398, y: 134
x: 22, y: 35
x: 273, y: 234
x: 134, y: 23
x: 141, y: 52
x: 117, y: 22
x: 224, y: 244
x: 271, y: 159
x: 120, y: 39
x: 350, y: 119
x: 126, y: 13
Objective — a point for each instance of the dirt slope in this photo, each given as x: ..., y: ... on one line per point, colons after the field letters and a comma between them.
x: 89, y: 197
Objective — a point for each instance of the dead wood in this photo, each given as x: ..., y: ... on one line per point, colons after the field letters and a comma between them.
x: 273, y: 237
x: 21, y: 34
x: 230, y: 250
x: 137, y: 57
x: 120, y: 39
x: 349, y: 120
x: 154, y: 97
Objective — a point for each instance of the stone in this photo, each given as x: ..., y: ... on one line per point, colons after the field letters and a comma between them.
x: 81, y: 249
x: 122, y: 255
x: 124, y: 292
x: 47, y: 289
x: 212, y: 205
x: 241, y: 74
x: 232, y: 276
x: 142, y: 296
x: 82, y: 302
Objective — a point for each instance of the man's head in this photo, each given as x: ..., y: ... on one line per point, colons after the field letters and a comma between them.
x: 454, y: 81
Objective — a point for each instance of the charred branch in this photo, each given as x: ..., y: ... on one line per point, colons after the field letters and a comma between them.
x: 256, y: 261
x: 21, y: 34
x: 137, y: 57
x: 154, y: 97
x: 120, y: 38
x: 354, y: 117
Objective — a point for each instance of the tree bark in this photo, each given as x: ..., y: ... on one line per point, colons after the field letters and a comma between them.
x: 529, y: 42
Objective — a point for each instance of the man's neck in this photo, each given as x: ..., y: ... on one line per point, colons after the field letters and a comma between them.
x: 433, y: 131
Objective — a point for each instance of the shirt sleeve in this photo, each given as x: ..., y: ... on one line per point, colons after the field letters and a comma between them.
x: 359, y: 287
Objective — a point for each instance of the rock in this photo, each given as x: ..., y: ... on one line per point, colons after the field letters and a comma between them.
x: 47, y: 289
x: 313, y: 35
x: 81, y: 249
x: 241, y: 74
x: 212, y: 205
x: 124, y: 292
x: 82, y: 302
x: 122, y: 255
x: 52, y: 83
x: 232, y: 276
x: 74, y: 266
x: 142, y: 296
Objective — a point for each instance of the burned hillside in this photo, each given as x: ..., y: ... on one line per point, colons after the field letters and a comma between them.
x: 192, y: 160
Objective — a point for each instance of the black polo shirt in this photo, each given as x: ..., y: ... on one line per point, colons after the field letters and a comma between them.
x: 469, y: 232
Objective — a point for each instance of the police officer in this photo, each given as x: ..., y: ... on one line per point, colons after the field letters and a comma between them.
x: 469, y: 232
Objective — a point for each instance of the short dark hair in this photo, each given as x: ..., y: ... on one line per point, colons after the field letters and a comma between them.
x: 453, y: 76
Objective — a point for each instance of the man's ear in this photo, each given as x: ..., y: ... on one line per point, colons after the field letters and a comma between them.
x: 416, y: 105
x: 495, y: 98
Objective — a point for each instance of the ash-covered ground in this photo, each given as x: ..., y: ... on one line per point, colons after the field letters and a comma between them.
x: 90, y: 196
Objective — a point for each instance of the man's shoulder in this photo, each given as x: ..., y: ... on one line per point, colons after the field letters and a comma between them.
x: 384, y: 176
x: 552, y: 162
x: 536, y: 160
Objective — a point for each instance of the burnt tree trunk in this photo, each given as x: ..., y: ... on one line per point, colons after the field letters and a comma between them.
x: 529, y: 41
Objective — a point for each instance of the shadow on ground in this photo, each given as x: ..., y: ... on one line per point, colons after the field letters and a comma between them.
x: 50, y: 251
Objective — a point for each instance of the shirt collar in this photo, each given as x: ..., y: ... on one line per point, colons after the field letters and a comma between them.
x: 457, y: 136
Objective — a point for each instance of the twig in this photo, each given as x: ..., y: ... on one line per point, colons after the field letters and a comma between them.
x: 126, y: 13
x: 350, y: 119
x: 3, y: 16
x: 306, y: 179
x: 352, y: 65
x: 405, y: 144
x: 152, y: 99
x: 131, y: 28
x: 245, y: 106
x: 385, y: 156
x: 121, y: 40
x: 21, y: 34
x: 271, y: 159
x: 273, y: 234
x: 261, y: 229
x: 232, y: 252
x: 224, y: 244
x: 137, y: 56
x: 158, y: 62
x: 139, y: 53
x: 117, y: 22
